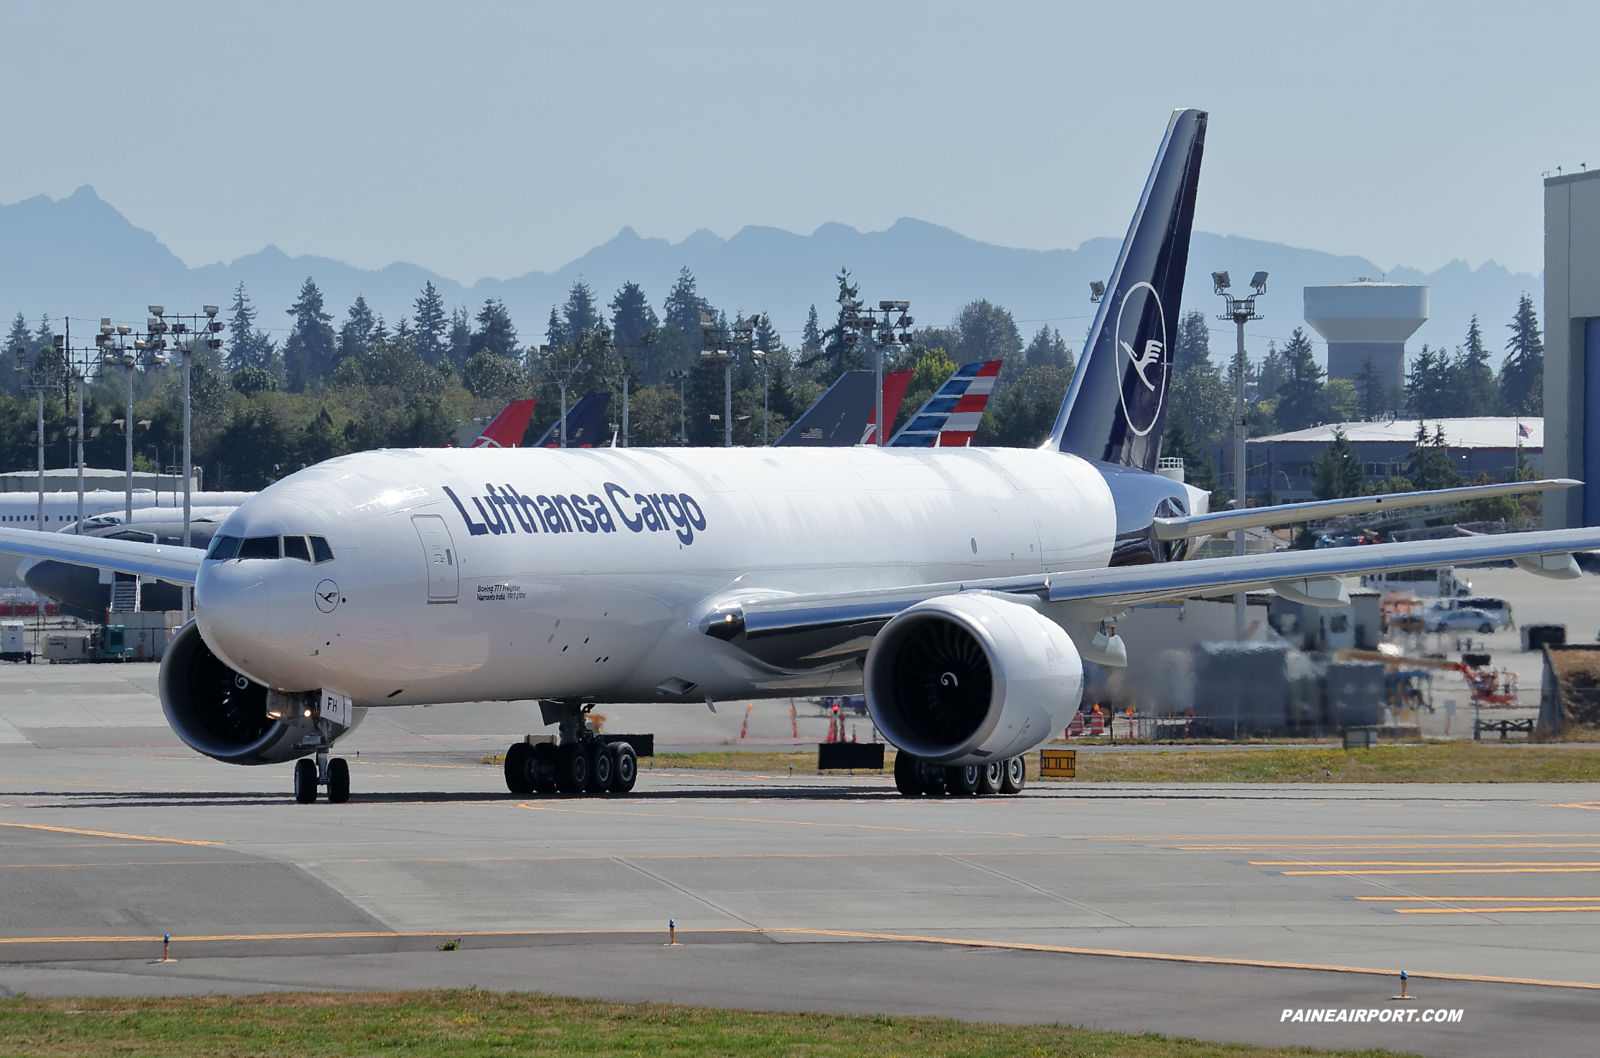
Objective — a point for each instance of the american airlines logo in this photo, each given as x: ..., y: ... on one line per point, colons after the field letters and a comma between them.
x: 503, y: 509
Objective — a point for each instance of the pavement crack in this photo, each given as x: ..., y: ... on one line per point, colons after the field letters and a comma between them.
x: 1042, y: 892
x: 712, y: 904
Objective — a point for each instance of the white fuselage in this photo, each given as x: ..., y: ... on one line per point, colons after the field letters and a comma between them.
x: 433, y: 598
x: 20, y: 510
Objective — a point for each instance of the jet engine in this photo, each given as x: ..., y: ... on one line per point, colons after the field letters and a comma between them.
x: 224, y: 714
x: 971, y: 678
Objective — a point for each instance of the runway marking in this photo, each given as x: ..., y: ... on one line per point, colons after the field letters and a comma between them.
x: 957, y: 942
x: 1593, y: 806
x: 1208, y: 960
x: 665, y: 816
x: 110, y: 834
x: 1490, y: 910
x: 1389, y: 847
x: 1454, y: 870
x: 1475, y: 899
x: 1423, y: 863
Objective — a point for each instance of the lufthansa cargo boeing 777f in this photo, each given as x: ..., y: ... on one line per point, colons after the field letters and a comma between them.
x: 962, y: 587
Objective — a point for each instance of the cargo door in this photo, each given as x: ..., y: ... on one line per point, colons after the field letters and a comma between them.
x: 439, y: 555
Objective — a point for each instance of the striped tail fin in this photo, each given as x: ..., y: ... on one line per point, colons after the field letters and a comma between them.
x: 951, y: 416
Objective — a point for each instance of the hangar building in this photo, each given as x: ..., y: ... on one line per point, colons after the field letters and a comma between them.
x: 1572, y: 345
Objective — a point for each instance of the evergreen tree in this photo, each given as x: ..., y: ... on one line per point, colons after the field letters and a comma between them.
x: 247, y: 346
x: 19, y: 338
x: 1177, y: 442
x: 1428, y: 393
x: 1374, y: 393
x: 355, y: 337
x: 840, y: 342
x: 309, y: 352
x: 432, y: 325
x: 1429, y: 466
x: 1473, y: 390
x: 1048, y: 350
x: 683, y: 307
x: 460, y: 348
x: 811, y: 337
x: 555, y: 330
x: 1337, y: 471
x: 1522, y: 372
x: 42, y: 337
x: 495, y: 332
x: 1203, y: 399
x: 767, y: 336
x: 580, y: 313
x: 1193, y: 347
x: 1300, y: 398
x: 1272, y: 374
x: 1024, y: 410
x: 631, y: 319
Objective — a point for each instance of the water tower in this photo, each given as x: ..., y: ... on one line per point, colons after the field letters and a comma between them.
x: 1366, y: 320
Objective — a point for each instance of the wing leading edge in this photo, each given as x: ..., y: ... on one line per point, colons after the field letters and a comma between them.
x: 178, y: 565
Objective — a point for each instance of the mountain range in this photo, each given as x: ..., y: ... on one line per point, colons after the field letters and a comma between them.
x: 79, y: 257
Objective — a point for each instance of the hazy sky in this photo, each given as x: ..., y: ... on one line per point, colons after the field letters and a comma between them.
x: 491, y: 139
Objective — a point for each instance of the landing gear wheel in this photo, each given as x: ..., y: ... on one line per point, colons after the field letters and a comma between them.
x: 1015, y: 775
x: 338, y: 781
x: 542, y: 768
x: 990, y: 778
x: 626, y: 771
x: 963, y: 779
x: 933, y: 778
x: 907, y: 774
x: 518, y: 757
x: 603, y: 770
x: 305, y: 781
x: 572, y: 769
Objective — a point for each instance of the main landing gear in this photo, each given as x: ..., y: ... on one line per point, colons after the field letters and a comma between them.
x: 334, y: 773
x: 914, y: 776
x: 580, y: 763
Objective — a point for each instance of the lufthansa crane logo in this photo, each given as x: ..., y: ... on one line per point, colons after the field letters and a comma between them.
x: 1141, y: 349
x: 327, y: 596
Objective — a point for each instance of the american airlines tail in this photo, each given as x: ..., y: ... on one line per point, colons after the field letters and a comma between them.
x: 1116, y: 406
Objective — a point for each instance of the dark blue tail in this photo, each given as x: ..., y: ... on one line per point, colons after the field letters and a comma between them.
x: 586, y: 424
x: 1116, y: 405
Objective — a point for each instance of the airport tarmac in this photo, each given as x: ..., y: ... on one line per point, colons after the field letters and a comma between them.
x: 1192, y: 911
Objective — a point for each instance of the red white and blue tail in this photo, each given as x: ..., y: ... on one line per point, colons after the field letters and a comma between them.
x: 951, y: 415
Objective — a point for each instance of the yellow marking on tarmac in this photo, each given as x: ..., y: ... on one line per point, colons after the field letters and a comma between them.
x: 1209, y: 960
x: 348, y: 935
x: 1489, y: 910
x: 1423, y: 863
x: 1391, y: 847
x: 1475, y: 899
x: 109, y: 834
x: 1454, y: 870
x: 1593, y: 806
x: 668, y: 817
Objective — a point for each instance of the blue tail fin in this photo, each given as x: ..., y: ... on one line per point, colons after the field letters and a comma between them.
x: 1116, y: 405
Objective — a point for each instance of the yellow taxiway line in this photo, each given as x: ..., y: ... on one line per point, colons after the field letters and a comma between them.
x: 109, y: 834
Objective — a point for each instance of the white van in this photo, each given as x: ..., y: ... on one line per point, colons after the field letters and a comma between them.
x: 1497, y: 608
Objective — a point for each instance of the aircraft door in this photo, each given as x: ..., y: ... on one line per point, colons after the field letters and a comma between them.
x: 439, y: 553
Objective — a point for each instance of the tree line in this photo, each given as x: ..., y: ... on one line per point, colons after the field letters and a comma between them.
x: 263, y: 407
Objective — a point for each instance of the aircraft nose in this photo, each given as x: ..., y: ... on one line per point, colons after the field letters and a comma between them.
x: 231, y: 607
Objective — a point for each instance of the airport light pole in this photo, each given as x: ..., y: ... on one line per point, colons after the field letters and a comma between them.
x: 1241, y: 311
x: 681, y: 377
x: 40, y: 378
x: 759, y: 356
x: 882, y: 338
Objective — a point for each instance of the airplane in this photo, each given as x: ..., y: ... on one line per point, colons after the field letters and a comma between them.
x: 960, y: 590
x: 845, y: 412
x: 505, y: 430
x: 950, y: 417
x: 894, y: 391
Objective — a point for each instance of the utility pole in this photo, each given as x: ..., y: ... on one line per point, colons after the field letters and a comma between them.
x: 1240, y: 311
x: 681, y: 377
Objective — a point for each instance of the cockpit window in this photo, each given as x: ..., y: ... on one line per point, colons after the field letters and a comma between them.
x: 259, y: 547
x: 295, y: 547
x: 223, y: 548
x: 320, y: 549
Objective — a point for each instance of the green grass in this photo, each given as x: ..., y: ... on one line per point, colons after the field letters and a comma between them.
x: 467, y: 1023
x: 1429, y: 762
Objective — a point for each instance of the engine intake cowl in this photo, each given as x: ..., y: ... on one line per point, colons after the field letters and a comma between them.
x: 970, y: 678
x: 222, y: 713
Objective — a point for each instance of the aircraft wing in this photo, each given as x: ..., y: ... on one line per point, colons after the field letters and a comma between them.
x: 162, y: 561
x: 825, y: 626
x: 1222, y: 522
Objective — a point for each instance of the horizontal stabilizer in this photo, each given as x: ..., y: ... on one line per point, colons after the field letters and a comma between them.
x: 1223, y: 522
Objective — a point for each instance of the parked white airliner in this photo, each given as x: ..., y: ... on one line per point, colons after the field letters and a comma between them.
x: 963, y: 587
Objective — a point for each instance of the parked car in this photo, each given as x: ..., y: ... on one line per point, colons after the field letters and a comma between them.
x: 1495, y: 607
x: 1464, y: 619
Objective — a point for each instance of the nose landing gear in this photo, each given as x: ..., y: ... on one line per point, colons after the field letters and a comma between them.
x: 334, y: 773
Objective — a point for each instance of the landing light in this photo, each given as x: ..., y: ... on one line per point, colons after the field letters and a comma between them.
x: 308, y: 713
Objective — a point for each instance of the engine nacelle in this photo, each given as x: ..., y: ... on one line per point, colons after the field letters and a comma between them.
x: 223, y: 714
x: 971, y: 678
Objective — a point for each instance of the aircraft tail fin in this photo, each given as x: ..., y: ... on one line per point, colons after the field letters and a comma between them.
x: 950, y: 417
x: 506, y: 429
x: 1117, y: 403
x: 586, y: 424
x: 894, y: 391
